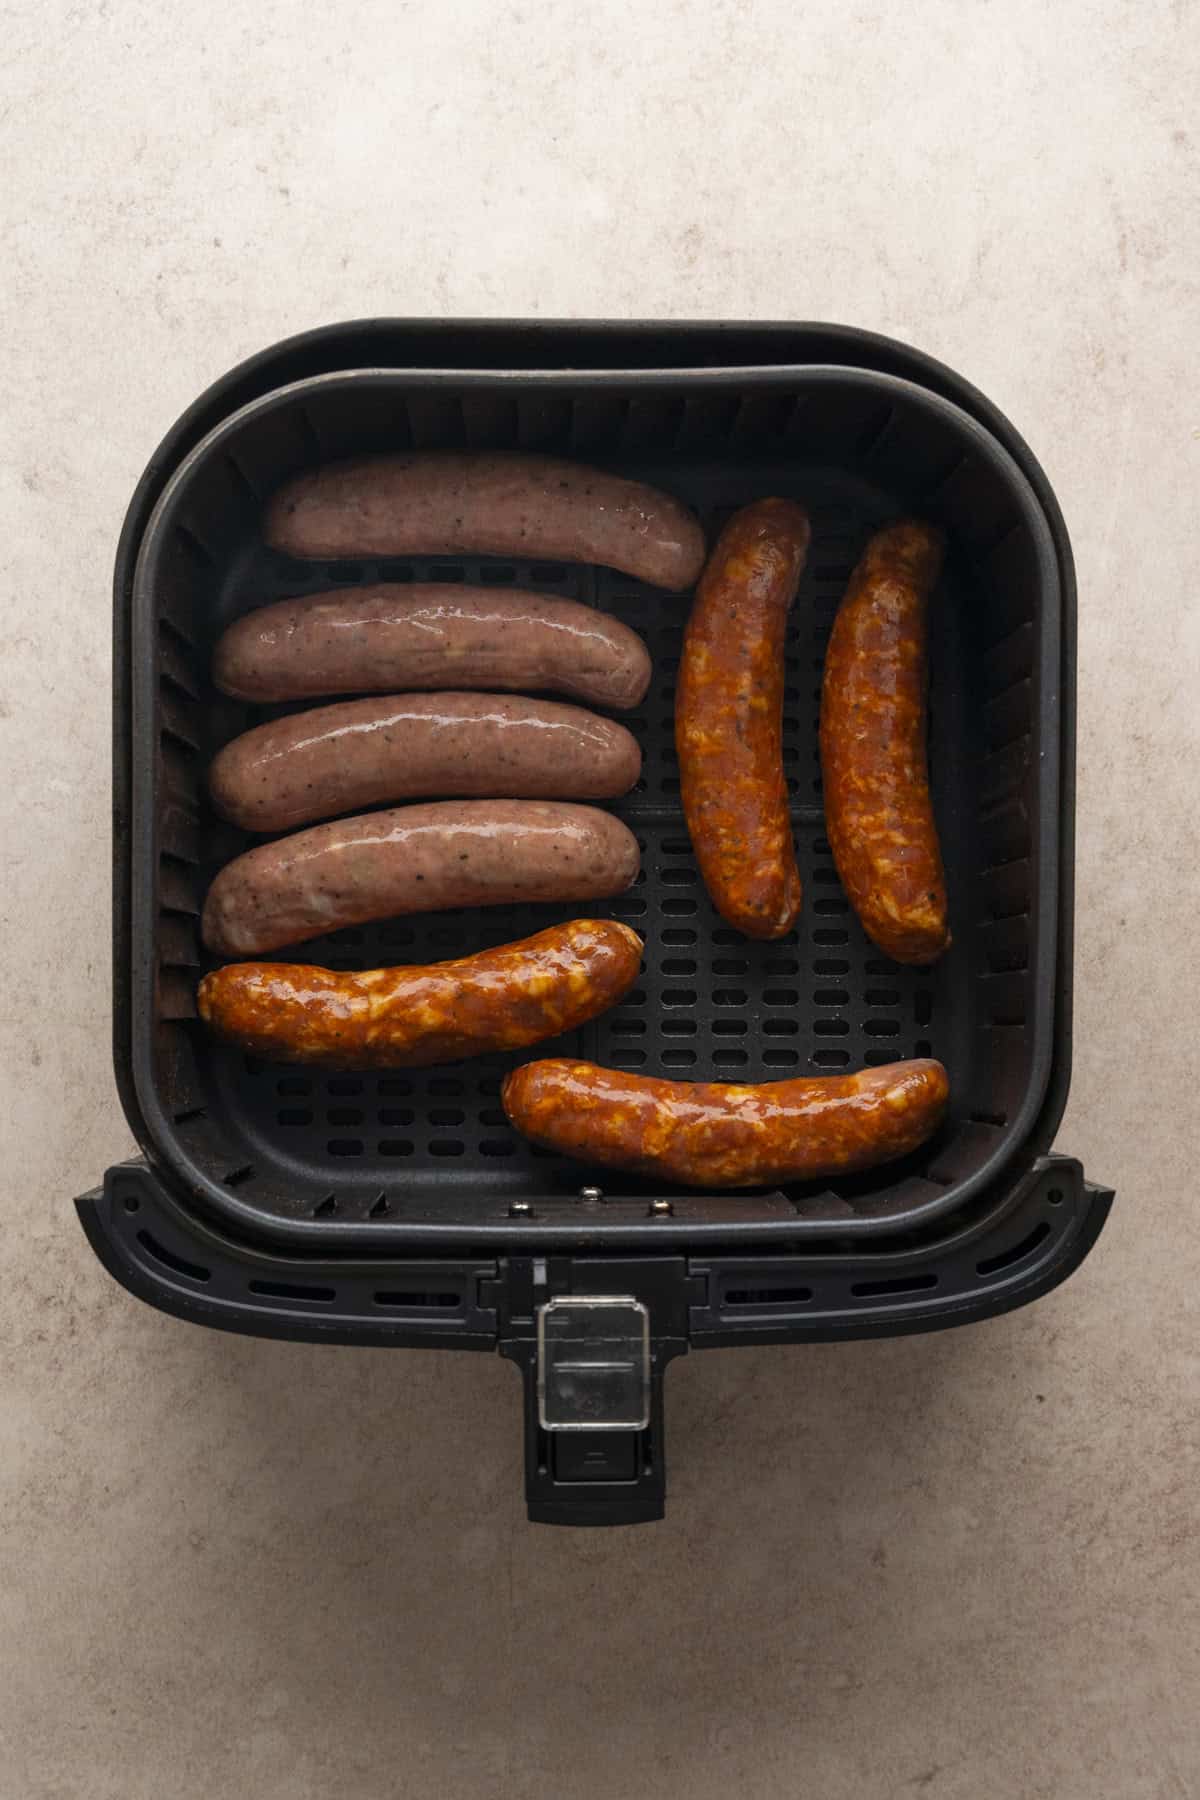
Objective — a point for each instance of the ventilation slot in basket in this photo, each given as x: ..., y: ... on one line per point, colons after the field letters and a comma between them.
x: 767, y: 1296
x: 290, y: 1290
x: 895, y: 1284
x: 1007, y: 1259
x: 415, y: 1301
x: 178, y: 1265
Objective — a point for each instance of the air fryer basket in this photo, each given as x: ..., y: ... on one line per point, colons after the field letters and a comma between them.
x: 428, y: 1154
x: 400, y: 1210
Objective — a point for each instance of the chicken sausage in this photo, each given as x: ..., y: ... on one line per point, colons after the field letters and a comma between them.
x: 729, y: 719
x: 878, y: 811
x: 344, y: 758
x: 500, y: 999
x: 394, y: 636
x: 490, y: 503
x: 412, y: 859
x: 725, y: 1135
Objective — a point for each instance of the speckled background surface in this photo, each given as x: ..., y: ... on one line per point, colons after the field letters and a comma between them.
x: 951, y: 1567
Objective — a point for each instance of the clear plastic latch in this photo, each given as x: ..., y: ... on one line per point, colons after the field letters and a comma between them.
x: 593, y: 1366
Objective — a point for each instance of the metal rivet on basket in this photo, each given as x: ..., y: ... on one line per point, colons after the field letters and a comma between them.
x: 660, y: 1208
x: 520, y: 1209
x: 591, y: 1196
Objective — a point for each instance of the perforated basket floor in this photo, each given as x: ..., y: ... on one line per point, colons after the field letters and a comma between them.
x: 379, y: 1155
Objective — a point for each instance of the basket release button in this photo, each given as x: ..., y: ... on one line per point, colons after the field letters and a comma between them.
x: 593, y: 1364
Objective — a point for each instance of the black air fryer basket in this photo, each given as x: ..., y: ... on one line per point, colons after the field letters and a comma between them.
x: 400, y: 1208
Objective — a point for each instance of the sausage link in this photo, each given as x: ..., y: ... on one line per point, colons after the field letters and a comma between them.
x: 488, y: 503
x: 395, y: 636
x: 878, y: 811
x: 412, y: 859
x: 725, y: 1135
x: 729, y: 718
x: 499, y: 999
x: 338, y: 759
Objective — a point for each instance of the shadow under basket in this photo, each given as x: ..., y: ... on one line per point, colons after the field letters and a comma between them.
x: 400, y: 1206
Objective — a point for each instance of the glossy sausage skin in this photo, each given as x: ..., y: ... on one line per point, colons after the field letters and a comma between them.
x: 878, y: 812
x: 412, y: 859
x: 725, y: 1135
x: 338, y: 759
x: 729, y: 719
x: 499, y: 999
x: 488, y: 503
x: 430, y: 635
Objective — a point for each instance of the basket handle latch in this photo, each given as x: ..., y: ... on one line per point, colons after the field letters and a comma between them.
x: 592, y: 1368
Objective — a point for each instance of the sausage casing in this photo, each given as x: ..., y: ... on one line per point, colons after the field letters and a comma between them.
x: 878, y: 811
x: 490, y: 503
x: 729, y: 718
x: 395, y: 636
x: 725, y: 1135
x: 412, y: 1017
x: 411, y: 859
x: 344, y: 758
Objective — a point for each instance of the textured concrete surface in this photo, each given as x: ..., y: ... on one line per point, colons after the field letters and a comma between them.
x: 954, y: 1567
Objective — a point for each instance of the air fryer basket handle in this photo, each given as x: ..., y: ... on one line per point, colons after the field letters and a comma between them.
x: 603, y: 1477
x: 592, y: 1337
x: 1037, y: 1234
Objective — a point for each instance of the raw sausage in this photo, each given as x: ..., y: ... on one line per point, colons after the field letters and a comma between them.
x: 722, y: 1135
x: 878, y: 812
x: 430, y: 635
x: 498, y: 999
x: 489, y: 503
x: 729, y: 719
x: 415, y: 859
x: 338, y: 759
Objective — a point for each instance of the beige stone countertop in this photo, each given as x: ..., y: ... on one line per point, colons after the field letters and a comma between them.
x: 959, y: 1567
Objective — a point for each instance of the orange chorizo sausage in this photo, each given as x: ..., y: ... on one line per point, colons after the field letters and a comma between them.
x: 878, y: 811
x: 412, y: 1017
x: 729, y: 718
x: 726, y: 1135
